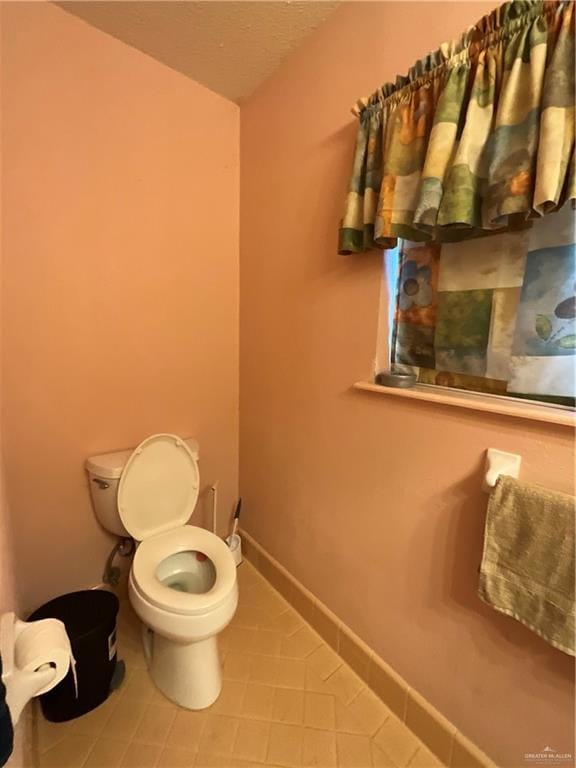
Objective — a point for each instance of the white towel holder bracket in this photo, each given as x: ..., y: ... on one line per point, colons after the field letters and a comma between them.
x: 500, y: 463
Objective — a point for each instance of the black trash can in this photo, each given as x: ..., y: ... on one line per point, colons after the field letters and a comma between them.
x: 90, y: 620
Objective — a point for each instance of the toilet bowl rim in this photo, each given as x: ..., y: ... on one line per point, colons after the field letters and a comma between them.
x: 168, y: 611
x: 151, y: 552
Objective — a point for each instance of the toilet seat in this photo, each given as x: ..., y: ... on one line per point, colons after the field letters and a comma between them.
x: 154, y: 550
x: 157, y: 495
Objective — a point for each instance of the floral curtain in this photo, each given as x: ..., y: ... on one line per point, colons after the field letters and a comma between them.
x: 478, y: 138
x: 494, y: 315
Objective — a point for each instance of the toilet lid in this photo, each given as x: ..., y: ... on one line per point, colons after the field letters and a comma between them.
x: 159, y: 486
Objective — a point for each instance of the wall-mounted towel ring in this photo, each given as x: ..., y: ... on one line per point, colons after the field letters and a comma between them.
x: 500, y: 463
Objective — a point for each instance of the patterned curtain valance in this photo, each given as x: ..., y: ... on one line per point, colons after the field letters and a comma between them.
x: 476, y: 139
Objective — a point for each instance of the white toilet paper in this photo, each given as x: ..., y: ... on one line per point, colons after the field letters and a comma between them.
x: 44, y: 642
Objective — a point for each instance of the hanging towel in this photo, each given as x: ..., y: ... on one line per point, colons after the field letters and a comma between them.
x: 527, y: 566
x: 6, y: 730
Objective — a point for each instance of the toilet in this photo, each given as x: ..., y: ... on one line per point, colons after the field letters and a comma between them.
x: 182, y: 583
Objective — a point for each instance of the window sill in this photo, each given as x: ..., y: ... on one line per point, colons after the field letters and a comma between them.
x: 477, y: 402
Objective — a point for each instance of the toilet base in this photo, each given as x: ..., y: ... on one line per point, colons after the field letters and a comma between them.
x: 188, y: 674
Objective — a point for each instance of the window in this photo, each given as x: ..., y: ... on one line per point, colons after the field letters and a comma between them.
x: 494, y: 314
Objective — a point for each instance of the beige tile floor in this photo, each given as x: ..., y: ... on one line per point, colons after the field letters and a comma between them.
x: 287, y: 700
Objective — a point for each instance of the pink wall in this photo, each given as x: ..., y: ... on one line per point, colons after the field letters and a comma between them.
x: 120, y: 278
x: 7, y: 587
x: 7, y: 583
x: 120, y: 311
x: 375, y: 504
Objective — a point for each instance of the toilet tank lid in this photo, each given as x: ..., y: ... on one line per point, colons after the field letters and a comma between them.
x: 110, y: 465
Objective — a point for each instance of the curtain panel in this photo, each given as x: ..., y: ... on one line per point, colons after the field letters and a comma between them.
x: 494, y: 315
x: 477, y: 138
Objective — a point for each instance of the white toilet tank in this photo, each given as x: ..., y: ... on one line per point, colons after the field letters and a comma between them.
x: 104, y: 472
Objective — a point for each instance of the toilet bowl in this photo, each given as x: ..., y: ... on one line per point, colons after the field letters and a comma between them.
x: 182, y: 584
x: 184, y: 608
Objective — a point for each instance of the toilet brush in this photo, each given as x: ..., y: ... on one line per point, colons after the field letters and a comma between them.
x: 234, y: 541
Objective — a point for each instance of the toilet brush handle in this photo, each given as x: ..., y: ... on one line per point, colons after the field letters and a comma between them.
x: 236, y: 516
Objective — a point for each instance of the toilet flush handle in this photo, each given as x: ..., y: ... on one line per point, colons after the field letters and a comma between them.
x: 102, y: 484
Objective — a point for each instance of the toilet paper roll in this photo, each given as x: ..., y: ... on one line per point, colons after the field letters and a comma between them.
x: 45, y: 642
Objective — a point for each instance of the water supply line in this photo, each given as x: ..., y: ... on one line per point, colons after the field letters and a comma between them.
x: 124, y: 547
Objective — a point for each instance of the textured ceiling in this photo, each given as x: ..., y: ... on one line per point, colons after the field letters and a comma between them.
x: 230, y: 47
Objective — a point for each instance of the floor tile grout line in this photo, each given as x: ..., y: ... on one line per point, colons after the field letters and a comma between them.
x: 124, y: 750
x: 273, y: 720
x: 243, y: 699
x: 171, y: 730
x: 267, y: 740
x: 151, y: 743
x: 357, y: 696
x: 343, y: 663
x: 304, y: 662
x: 131, y: 739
